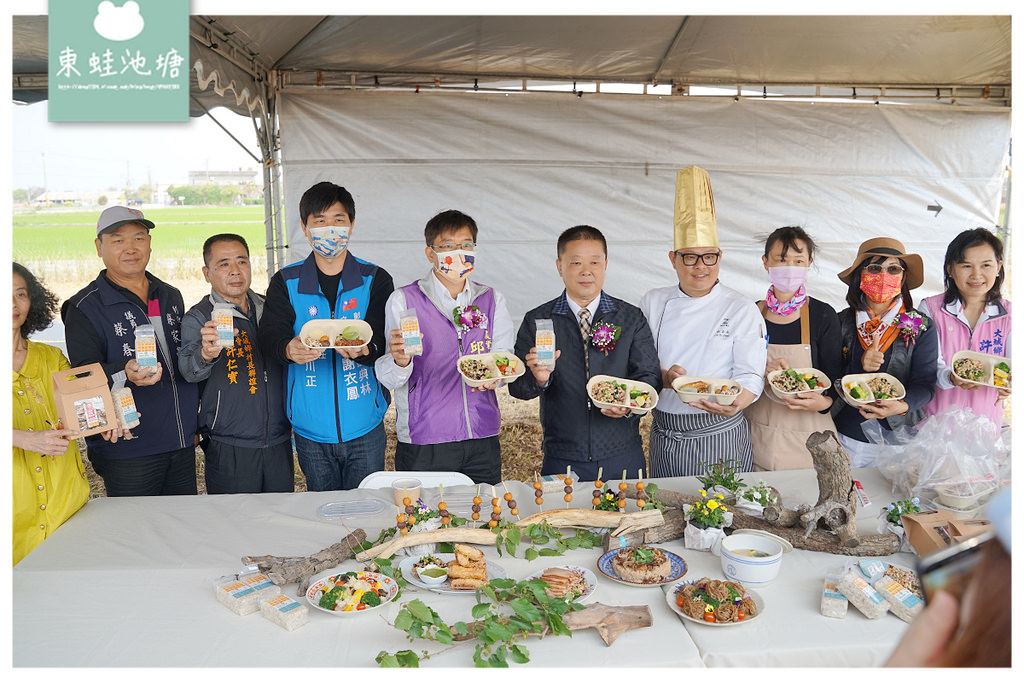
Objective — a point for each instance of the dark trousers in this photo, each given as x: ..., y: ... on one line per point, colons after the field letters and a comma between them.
x: 236, y: 469
x: 163, y: 474
x: 478, y: 459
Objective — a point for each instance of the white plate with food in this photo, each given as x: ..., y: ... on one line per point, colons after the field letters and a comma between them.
x: 406, y: 566
x: 335, y: 333
x: 730, y: 598
x: 567, y: 579
x: 616, y: 392
x: 664, y: 567
x: 691, y: 389
x: 868, y: 387
x: 982, y: 368
x: 353, y: 592
x: 796, y: 381
x: 478, y: 369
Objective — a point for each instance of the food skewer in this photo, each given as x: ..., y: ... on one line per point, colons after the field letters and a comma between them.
x: 621, y: 503
x: 442, y: 507
x: 597, y: 488
x: 513, y: 506
x: 568, y: 487
x: 641, y: 496
x: 538, y: 491
x: 476, y: 504
x: 403, y: 528
x: 495, y: 509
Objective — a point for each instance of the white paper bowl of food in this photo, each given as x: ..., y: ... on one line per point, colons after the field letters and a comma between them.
x: 607, y: 391
x: 868, y: 387
x: 336, y: 334
x: 981, y: 368
x: 691, y: 389
x: 796, y: 381
x: 753, y: 558
x: 478, y: 369
x: 510, y: 366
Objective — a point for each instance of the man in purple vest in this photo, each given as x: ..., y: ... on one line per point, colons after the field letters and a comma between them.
x: 443, y: 424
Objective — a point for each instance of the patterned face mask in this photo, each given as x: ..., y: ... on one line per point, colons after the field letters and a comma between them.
x: 455, y: 265
x: 329, y: 242
x: 880, y: 288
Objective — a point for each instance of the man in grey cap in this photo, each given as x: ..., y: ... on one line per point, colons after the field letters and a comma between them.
x: 100, y: 323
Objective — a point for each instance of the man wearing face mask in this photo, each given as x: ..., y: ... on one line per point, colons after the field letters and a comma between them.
x: 332, y: 396
x: 803, y: 332
x: 442, y: 424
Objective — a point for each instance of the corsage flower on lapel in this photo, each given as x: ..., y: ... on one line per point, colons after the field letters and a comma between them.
x: 911, y: 324
x: 604, y: 336
x: 468, y: 317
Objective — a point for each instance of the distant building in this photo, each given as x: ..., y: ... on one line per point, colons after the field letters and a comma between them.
x: 239, y: 177
x: 52, y: 198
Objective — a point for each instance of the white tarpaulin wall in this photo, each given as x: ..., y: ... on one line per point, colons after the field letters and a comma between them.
x: 528, y: 166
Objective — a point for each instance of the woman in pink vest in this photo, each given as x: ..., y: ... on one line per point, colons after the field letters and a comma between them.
x: 970, y: 315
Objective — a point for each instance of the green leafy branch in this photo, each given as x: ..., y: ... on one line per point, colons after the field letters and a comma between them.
x: 506, y: 613
x: 542, y: 533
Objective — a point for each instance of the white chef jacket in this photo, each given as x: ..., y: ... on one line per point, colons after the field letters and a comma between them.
x: 720, y: 335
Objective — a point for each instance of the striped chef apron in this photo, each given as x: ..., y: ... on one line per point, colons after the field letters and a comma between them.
x: 681, y: 444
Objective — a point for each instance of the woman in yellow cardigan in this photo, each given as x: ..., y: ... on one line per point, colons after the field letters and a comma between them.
x: 49, y: 478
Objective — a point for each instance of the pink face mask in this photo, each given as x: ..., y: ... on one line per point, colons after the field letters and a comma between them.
x: 880, y: 288
x: 787, y: 278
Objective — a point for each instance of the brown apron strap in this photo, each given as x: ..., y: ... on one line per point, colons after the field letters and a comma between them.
x: 805, y: 324
x: 763, y: 306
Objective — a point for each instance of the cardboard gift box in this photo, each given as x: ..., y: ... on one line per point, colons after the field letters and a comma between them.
x: 83, y: 399
x: 930, y: 530
x: 961, y: 529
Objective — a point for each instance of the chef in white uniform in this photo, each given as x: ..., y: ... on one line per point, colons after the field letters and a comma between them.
x: 702, y: 329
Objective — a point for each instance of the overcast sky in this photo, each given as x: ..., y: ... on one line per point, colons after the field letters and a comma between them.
x: 90, y: 157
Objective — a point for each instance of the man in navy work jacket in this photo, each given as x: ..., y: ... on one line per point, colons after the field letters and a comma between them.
x: 595, y: 334
x: 245, y: 435
x: 332, y: 396
x: 99, y: 324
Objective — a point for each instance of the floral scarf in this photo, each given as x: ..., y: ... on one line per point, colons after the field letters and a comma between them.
x: 777, y: 307
x: 868, y: 326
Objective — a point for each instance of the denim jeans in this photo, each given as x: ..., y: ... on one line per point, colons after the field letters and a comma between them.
x: 339, y: 466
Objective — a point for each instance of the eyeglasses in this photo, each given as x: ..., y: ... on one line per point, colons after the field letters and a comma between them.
x: 441, y: 248
x: 691, y: 259
x: 876, y: 269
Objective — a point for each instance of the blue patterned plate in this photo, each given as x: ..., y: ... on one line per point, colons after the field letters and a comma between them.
x: 676, y: 572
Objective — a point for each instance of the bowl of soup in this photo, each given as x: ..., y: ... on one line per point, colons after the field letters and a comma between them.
x: 753, y: 557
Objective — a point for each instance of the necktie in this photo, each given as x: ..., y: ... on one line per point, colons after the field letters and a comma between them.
x: 585, y: 324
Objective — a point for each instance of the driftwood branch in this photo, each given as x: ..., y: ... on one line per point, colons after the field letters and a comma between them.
x: 610, y: 621
x: 828, y: 526
x: 624, y: 522
x: 282, y: 570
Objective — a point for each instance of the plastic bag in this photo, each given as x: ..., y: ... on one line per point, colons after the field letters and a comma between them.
x: 955, y: 452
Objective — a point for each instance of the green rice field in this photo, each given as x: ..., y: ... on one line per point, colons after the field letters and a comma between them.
x: 58, y: 245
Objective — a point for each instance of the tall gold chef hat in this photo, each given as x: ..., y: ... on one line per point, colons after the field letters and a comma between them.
x: 695, y: 224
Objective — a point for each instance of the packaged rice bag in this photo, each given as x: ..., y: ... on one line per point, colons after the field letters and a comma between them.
x: 287, y: 613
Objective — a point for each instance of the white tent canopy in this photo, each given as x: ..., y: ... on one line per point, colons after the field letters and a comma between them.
x: 336, y: 98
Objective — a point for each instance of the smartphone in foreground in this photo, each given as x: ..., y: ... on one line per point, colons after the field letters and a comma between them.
x: 948, y: 568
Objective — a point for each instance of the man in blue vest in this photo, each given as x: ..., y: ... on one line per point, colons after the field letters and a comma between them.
x: 99, y: 326
x: 332, y: 397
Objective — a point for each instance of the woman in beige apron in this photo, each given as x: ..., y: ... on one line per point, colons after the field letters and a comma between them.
x: 802, y: 332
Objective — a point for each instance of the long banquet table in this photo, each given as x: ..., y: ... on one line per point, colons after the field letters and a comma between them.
x: 128, y: 582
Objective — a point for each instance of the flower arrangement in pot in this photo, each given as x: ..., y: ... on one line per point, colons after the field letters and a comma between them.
x: 755, y: 499
x: 705, y: 521
x: 722, y: 477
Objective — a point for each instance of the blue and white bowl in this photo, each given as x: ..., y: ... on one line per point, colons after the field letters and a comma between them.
x: 753, y: 558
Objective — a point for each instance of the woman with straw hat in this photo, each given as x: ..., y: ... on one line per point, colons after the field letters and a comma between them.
x: 882, y: 332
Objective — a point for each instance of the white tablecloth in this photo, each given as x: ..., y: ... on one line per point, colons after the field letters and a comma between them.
x: 127, y: 582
